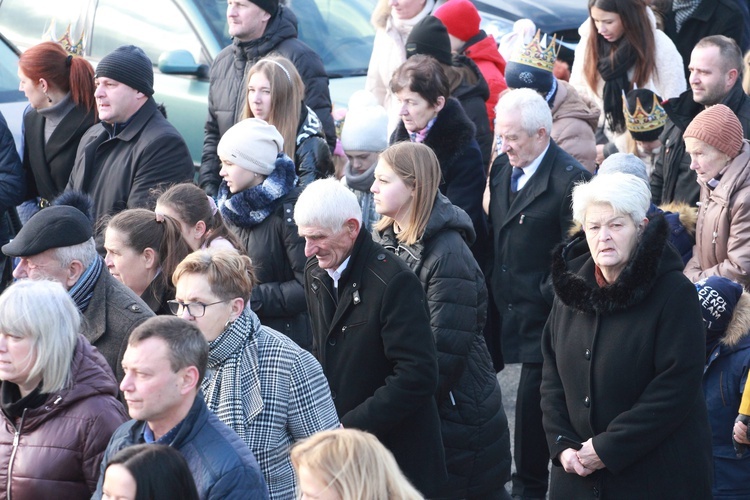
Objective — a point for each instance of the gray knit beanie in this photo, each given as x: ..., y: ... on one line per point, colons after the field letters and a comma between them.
x: 366, y: 124
x: 128, y: 64
x: 252, y: 144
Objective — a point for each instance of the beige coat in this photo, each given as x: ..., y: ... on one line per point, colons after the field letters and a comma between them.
x: 574, y: 120
x: 722, y: 237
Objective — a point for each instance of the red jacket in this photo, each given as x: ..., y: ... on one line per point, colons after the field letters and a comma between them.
x: 492, y: 65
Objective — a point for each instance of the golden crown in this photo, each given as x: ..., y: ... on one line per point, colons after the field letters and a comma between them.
x: 537, y: 56
x: 642, y: 121
x: 66, y: 41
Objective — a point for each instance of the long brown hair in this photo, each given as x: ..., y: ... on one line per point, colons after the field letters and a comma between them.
x: 287, y: 91
x: 417, y: 167
x: 68, y: 73
x: 637, y: 32
x: 193, y: 205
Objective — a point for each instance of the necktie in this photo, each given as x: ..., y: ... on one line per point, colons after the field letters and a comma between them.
x: 517, y: 173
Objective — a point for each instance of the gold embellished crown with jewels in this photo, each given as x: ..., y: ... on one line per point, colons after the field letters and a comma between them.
x: 66, y: 41
x: 642, y: 121
x: 536, y: 56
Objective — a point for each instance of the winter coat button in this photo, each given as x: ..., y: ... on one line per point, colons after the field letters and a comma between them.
x: 587, y: 354
x: 586, y: 402
x: 381, y: 256
x: 332, y: 341
x: 333, y: 394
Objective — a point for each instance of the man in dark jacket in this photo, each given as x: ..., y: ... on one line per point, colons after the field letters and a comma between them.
x: 12, y: 189
x: 371, y: 333
x: 258, y: 27
x: 529, y: 193
x: 57, y: 244
x: 688, y: 21
x: 134, y: 148
x: 167, y: 408
x: 715, y: 77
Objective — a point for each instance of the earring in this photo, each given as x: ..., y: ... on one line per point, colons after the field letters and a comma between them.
x: 48, y: 97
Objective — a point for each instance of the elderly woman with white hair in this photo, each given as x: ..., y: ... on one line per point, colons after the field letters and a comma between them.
x: 721, y: 160
x: 58, y: 396
x: 623, y: 350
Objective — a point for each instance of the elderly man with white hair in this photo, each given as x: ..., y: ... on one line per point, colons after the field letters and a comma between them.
x: 371, y: 333
x: 529, y: 192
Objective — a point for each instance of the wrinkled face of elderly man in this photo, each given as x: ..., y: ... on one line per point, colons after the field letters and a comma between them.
x: 331, y: 248
x: 522, y: 148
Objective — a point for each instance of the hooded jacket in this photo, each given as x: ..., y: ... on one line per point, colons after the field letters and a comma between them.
x: 226, y: 93
x: 452, y: 140
x: 482, y: 49
x: 722, y: 233
x: 623, y: 366
x: 473, y: 422
x: 473, y: 98
x: 724, y: 378
x: 54, y: 450
x: 672, y: 179
x: 574, y: 121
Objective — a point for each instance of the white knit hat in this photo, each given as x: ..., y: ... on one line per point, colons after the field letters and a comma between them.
x: 252, y: 144
x: 366, y: 124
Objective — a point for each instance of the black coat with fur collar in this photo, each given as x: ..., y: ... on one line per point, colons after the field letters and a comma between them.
x: 452, y: 139
x: 623, y: 365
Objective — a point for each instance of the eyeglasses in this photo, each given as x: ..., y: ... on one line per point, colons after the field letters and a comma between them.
x: 194, y: 309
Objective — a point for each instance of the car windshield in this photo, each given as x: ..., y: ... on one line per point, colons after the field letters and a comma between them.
x: 8, y: 75
x: 339, y: 31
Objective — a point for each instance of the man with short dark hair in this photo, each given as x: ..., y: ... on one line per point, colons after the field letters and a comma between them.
x: 258, y: 28
x: 134, y: 148
x: 715, y: 78
x: 57, y: 244
x: 164, y: 365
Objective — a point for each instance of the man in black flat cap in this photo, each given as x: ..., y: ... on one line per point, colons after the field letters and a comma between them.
x: 57, y: 244
x: 134, y: 148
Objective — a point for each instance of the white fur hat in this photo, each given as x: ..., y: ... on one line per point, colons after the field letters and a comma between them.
x: 365, y: 125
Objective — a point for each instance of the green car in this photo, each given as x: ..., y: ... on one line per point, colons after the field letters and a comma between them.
x: 182, y: 37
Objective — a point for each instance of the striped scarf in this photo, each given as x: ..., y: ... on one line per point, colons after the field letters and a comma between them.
x: 231, y: 386
x: 83, y: 290
x: 683, y: 9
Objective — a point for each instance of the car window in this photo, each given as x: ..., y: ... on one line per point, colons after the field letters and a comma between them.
x: 8, y: 74
x: 154, y: 25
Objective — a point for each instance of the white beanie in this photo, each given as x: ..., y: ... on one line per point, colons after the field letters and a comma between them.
x: 366, y: 124
x: 252, y: 144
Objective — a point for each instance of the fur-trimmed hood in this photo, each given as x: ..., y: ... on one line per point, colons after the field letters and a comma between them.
x: 739, y: 326
x: 581, y: 292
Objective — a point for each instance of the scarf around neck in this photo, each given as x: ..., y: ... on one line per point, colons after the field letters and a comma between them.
x: 250, y: 207
x: 83, y: 289
x: 231, y: 386
x: 614, y: 71
x: 360, y: 182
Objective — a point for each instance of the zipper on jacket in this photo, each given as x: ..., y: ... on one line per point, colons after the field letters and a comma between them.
x: 16, y: 439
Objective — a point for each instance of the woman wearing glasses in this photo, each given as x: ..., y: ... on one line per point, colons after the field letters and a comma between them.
x: 270, y: 391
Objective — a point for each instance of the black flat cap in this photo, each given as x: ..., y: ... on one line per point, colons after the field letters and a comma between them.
x: 52, y: 227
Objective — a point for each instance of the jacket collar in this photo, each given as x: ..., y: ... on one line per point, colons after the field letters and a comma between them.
x: 573, y: 272
x: 735, y: 176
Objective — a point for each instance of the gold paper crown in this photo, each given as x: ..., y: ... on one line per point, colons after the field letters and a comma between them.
x: 641, y: 121
x: 536, y: 56
x: 66, y: 41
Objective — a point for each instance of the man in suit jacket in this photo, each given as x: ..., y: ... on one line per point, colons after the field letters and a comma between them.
x: 529, y: 194
x: 371, y: 333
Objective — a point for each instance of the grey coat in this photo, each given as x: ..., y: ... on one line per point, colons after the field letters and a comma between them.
x: 114, y: 311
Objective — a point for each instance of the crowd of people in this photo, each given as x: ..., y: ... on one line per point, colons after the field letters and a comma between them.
x: 271, y: 326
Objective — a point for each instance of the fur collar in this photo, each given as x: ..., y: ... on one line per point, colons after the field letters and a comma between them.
x: 451, y: 133
x: 573, y: 269
x: 739, y: 327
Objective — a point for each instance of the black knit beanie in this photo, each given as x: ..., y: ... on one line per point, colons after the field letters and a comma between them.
x: 270, y: 6
x: 648, y: 128
x: 430, y: 37
x: 128, y: 64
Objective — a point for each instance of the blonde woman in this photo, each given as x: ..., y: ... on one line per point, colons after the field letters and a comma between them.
x: 274, y: 94
x: 348, y: 464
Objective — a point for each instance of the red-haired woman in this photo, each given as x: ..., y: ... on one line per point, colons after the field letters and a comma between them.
x: 60, y: 90
x: 621, y: 49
